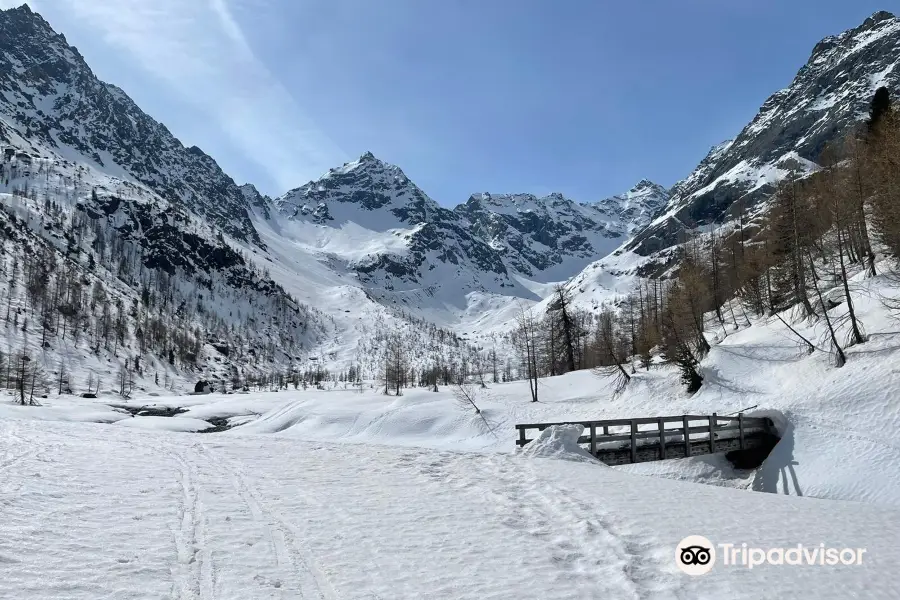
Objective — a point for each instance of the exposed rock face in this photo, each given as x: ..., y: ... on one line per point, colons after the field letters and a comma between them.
x: 380, y: 197
x: 830, y: 93
x: 50, y: 95
x: 490, y: 234
x: 258, y: 203
x: 536, y: 234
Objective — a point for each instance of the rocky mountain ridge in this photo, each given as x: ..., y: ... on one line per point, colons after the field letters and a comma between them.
x: 50, y: 94
x: 829, y: 94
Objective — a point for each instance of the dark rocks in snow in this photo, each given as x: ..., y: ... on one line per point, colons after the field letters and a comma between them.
x: 203, y: 387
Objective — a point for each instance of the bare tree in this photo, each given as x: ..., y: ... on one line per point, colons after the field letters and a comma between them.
x: 526, y: 343
x: 840, y: 357
x: 466, y: 395
x: 30, y: 378
x: 394, y: 363
x: 126, y: 380
x: 63, y: 379
x: 609, y: 349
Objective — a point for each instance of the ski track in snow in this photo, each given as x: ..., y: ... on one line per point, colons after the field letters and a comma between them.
x: 194, y: 573
x: 227, y: 526
x: 590, y: 546
x: 93, y: 511
x: 11, y: 454
x: 295, y: 574
x: 289, y: 551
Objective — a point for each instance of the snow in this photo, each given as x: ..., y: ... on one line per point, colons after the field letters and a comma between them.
x: 342, y: 493
x: 710, y: 469
x: 838, y: 426
x: 559, y: 442
x: 175, y: 423
x: 95, y: 511
x: 878, y: 79
x: 59, y: 410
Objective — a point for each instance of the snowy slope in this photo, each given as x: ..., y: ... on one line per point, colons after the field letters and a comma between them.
x: 49, y: 95
x: 838, y: 425
x: 830, y: 93
x: 116, y: 248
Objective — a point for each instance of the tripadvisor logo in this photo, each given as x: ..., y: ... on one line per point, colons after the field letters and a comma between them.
x: 696, y: 555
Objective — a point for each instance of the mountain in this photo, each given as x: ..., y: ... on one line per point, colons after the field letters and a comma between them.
x: 412, y: 243
x: 247, y: 282
x: 480, y: 244
x: 829, y: 94
x: 50, y: 95
x: 635, y: 208
x: 554, y: 236
x: 140, y: 256
x: 109, y: 197
x: 259, y: 204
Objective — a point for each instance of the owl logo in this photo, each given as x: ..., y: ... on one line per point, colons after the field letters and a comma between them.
x: 695, y: 555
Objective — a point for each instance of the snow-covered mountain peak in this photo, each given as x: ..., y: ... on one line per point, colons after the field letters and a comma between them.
x: 878, y: 16
x: 552, y: 236
x: 645, y: 184
x: 636, y: 207
x: 512, y: 203
x: 368, y: 162
x: 830, y: 94
x: 356, y: 191
x: 260, y: 204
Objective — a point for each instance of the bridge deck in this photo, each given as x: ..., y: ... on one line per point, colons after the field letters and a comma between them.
x: 623, y: 441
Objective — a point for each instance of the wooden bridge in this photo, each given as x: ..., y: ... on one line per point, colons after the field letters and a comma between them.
x: 623, y: 441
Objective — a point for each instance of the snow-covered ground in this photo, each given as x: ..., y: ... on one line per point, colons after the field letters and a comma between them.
x: 93, y: 511
x: 342, y: 493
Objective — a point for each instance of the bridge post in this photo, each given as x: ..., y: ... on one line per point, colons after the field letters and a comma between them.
x: 633, y: 441
x: 662, y: 440
x: 712, y: 435
x: 741, y: 429
x: 594, y: 439
x: 687, y: 438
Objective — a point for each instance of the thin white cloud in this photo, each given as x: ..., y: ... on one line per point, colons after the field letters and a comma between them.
x: 229, y: 25
x: 197, y: 48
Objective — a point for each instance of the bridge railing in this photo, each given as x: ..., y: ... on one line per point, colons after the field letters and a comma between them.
x: 686, y: 431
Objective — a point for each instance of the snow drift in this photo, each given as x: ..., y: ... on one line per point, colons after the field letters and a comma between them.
x: 560, y: 442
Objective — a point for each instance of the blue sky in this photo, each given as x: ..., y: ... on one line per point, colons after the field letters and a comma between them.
x: 583, y: 97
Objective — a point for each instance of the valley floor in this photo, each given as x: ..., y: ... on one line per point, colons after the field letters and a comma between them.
x: 92, y: 511
x: 344, y: 494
